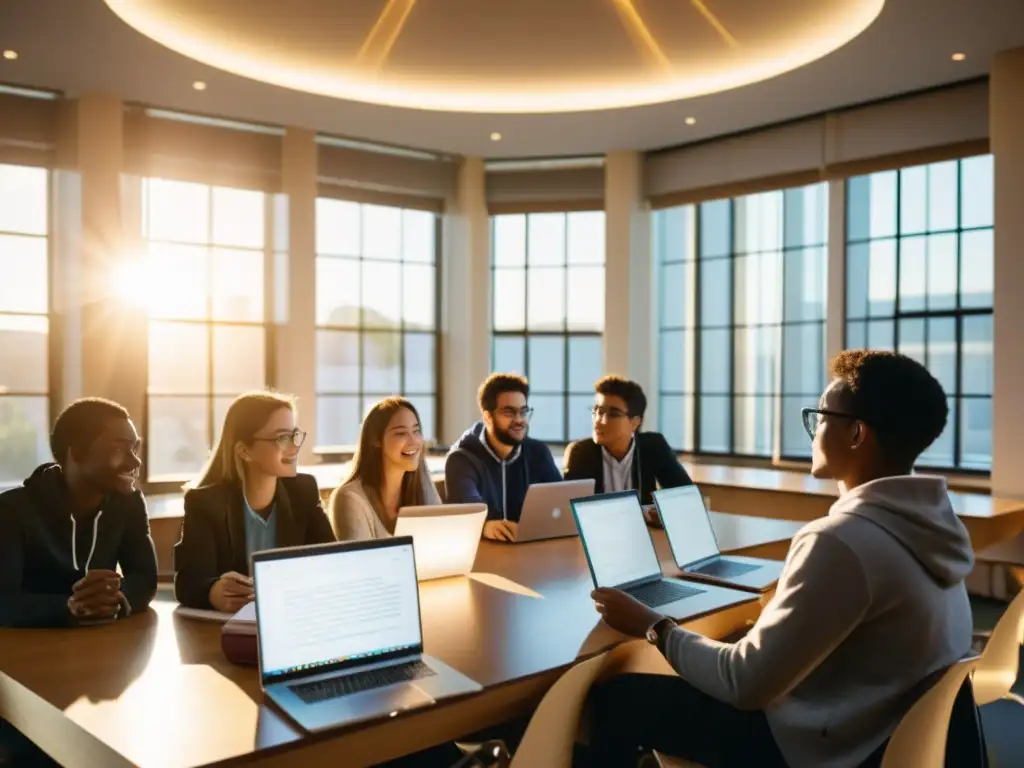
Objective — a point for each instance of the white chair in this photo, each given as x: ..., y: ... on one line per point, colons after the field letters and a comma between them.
x: 920, y: 738
x: 999, y: 661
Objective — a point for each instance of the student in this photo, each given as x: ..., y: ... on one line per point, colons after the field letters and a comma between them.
x: 870, y: 609
x: 64, y: 533
x: 248, y: 498
x: 389, y: 472
x: 619, y: 456
x: 494, y: 461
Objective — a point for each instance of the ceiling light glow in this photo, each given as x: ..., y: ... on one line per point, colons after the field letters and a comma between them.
x: 199, y: 85
x: 691, y: 120
x: 423, y: 79
x: 959, y: 56
x: 495, y: 136
x: 10, y: 55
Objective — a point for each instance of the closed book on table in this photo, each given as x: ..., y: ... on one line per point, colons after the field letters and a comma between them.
x: 238, y: 637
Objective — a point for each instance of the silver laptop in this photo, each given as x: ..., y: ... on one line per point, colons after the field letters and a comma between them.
x: 339, y: 633
x: 445, y: 537
x: 691, y: 538
x: 621, y: 554
x: 546, y: 512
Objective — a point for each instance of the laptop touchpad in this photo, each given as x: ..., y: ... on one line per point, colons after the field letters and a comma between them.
x: 395, y: 698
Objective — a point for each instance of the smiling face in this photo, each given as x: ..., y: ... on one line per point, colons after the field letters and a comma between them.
x: 402, y: 443
x: 112, y: 461
x: 274, y: 450
x: 509, y: 423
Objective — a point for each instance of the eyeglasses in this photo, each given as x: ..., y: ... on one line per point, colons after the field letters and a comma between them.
x: 511, y: 413
x: 296, y: 438
x: 810, y: 417
x: 609, y: 414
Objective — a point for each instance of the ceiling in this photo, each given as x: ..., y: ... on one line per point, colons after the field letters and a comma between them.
x: 533, y: 65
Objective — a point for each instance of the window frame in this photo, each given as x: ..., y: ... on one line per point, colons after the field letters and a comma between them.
x: 957, y: 313
x: 360, y: 328
x: 566, y: 394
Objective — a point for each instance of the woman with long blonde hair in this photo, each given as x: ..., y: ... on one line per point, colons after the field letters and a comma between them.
x: 249, y: 497
x: 389, y: 472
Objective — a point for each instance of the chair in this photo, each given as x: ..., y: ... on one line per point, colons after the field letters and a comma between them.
x: 920, y: 738
x: 999, y: 661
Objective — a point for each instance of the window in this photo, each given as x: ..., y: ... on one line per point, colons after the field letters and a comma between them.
x: 24, y: 322
x: 207, y: 336
x: 919, y: 277
x: 376, y: 314
x: 548, y: 313
x: 742, y: 321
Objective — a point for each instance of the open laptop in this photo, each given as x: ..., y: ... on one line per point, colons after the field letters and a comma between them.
x: 695, y: 548
x: 621, y: 554
x: 339, y: 633
x: 546, y: 512
x: 445, y: 537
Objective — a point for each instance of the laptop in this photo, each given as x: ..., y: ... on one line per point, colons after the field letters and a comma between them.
x: 339, y: 634
x: 546, y: 513
x: 445, y: 537
x: 691, y: 538
x: 621, y: 554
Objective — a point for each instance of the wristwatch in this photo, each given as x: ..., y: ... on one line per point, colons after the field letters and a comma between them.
x: 658, y: 631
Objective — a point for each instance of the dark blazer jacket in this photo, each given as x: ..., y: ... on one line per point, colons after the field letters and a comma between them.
x: 213, y: 533
x: 654, y: 465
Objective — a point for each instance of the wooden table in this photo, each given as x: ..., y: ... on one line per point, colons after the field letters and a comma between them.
x: 155, y: 690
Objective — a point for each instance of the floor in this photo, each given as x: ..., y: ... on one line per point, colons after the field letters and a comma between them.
x: 1003, y: 720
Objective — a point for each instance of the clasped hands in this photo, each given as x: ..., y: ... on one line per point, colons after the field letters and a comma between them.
x: 96, y: 596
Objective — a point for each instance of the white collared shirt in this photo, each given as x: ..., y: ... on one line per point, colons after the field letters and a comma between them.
x: 618, y: 473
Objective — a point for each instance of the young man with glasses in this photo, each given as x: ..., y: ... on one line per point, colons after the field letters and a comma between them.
x: 870, y: 609
x: 495, y: 460
x: 619, y: 456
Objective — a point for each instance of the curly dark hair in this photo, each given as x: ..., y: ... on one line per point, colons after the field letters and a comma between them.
x: 897, y: 397
x: 80, y: 424
x: 497, y: 384
x: 631, y: 393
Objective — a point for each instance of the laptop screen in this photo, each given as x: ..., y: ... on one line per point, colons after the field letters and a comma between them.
x: 615, y: 538
x: 320, y: 608
x: 687, y: 524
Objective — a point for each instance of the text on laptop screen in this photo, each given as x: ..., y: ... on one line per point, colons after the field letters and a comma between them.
x: 328, y: 608
x: 687, y: 524
x: 616, y: 538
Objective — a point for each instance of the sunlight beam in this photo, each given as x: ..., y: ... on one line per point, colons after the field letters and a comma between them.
x: 718, y: 26
x: 385, y: 32
x: 641, y: 35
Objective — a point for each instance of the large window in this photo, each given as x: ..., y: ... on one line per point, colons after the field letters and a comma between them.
x: 376, y: 314
x: 24, y: 322
x: 919, y: 271
x: 548, y: 302
x: 742, y: 287
x: 207, y: 334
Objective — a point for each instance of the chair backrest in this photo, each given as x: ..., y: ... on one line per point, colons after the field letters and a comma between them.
x: 551, y: 734
x: 997, y: 666
x: 920, y: 739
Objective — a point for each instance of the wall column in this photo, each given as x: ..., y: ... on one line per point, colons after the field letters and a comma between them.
x: 466, y: 300
x: 294, y: 279
x: 630, y: 315
x: 1006, y: 136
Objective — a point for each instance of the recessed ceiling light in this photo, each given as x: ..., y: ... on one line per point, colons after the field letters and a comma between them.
x: 691, y: 121
x: 495, y: 136
x: 199, y: 85
x: 10, y: 55
x: 959, y: 56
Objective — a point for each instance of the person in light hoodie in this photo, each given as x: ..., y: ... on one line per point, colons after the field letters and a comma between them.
x: 870, y: 609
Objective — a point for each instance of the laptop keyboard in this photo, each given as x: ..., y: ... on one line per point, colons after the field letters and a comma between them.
x: 724, y: 569
x: 343, y: 685
x: 658, y: 593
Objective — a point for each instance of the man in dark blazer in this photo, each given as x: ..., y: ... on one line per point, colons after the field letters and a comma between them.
x: 619, y: 456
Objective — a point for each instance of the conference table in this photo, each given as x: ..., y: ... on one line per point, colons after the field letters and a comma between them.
x: 155, y: 690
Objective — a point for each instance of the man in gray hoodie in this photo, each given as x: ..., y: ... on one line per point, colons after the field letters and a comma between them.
x: 871, y: 606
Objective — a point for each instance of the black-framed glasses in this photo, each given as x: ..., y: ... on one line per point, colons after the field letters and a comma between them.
x: 511, y: 413
x: 600, y: 411
x: 810, y: 417
x: 296, y: 438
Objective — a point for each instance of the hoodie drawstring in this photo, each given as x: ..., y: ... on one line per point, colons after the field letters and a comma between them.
x: 74, y: 541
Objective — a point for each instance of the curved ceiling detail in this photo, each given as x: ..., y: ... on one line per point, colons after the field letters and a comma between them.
x: 503, y: 56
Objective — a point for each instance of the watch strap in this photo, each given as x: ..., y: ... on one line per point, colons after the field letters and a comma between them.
x: 662, y: 629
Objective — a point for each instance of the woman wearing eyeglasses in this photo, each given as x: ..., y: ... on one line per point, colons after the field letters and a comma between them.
x: 249, y: 497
